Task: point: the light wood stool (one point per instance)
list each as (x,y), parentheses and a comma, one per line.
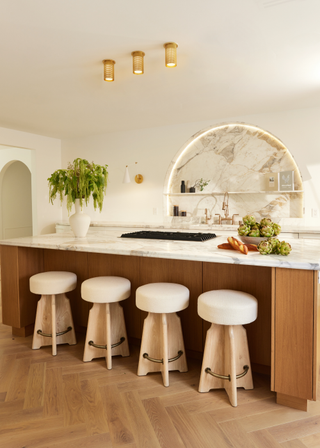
(54,323)
(106,331)
(226,361)
(162,341)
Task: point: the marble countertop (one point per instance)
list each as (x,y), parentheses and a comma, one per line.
(305,253)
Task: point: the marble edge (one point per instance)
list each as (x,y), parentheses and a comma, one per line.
(213,255)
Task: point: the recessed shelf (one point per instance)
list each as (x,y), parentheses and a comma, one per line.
(232,192)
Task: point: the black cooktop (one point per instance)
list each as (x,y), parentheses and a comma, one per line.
(177,236)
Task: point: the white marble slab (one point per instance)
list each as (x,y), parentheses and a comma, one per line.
(305,253)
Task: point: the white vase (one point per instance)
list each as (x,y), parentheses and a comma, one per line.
(79,221)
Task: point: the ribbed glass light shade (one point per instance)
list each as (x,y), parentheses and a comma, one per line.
(108,70)
(171,54)
(138,62)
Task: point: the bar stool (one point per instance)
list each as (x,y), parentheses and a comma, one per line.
(54,323)
(162,340)
(226,361)
(106,331)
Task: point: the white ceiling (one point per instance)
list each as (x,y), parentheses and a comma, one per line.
(235,57)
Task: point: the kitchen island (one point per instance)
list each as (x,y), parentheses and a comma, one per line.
(283,341)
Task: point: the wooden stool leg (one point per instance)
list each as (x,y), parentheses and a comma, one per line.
(165,351)
(53,325)
(108,334)
(230,365)
(213,358)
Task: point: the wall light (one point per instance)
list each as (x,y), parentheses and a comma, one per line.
(171,54)
(138,62)
(126,178)
(108,70)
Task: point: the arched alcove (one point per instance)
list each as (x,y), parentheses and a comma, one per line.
(15,200)
(241,159)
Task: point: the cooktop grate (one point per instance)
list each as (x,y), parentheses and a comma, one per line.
(177,236)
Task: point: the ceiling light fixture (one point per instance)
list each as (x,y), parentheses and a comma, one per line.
(138,62)
(171,54)
(108,70)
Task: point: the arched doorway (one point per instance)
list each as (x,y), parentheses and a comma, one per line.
(15,200)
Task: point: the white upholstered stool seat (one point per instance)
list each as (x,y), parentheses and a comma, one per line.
(54,323)
(162,346)
(226,361)
(106,332)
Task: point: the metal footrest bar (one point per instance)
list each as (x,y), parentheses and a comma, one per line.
(227,377)
(47,335)
(104,346)
(146,356)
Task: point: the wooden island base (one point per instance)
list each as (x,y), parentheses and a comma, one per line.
(283,339)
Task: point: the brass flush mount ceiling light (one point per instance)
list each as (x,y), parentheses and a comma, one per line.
(171,54)
(138,62)
(108,70)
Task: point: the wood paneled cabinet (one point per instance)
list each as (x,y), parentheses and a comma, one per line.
(282,341)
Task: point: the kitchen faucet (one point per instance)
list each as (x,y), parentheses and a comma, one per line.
(225,207)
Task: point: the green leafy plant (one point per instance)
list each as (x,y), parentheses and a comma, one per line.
(201,183)
(80,180)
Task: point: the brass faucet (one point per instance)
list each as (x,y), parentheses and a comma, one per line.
(207,217)
(225,207)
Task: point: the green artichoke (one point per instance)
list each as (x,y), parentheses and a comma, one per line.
(254,232)
(285,248)
(243,230)
(275,243)
(267,231)
(249,220)
(265,222)
(276,228)
(265,247)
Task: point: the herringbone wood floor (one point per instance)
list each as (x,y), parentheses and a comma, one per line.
(62,402)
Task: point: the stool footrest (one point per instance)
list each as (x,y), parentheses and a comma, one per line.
(146,356)
(48,335)
(227,377)
(116,344)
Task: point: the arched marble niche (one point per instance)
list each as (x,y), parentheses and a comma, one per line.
(237,158)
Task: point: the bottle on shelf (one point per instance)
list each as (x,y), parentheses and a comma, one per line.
(183,187)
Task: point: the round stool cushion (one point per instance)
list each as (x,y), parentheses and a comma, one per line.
(105,289)
(227,307)
(53,282)
(162,297)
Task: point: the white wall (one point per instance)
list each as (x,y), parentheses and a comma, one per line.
(154,149)
(45,158)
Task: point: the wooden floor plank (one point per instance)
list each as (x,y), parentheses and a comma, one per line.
(263,439)
(73,401)
(35,387)
(142,429)
(296,443)
(296,430)
(197,431)
(312,441)
(119,427)
(19,380)
(53,396)
(236,434)
(7,363)
(95,441)
(96,420)
(163,427)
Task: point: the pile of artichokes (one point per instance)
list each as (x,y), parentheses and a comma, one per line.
(266,229)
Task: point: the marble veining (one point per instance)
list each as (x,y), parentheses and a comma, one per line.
(236,158)
(305,254)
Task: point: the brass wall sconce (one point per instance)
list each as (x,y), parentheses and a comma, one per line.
(108,70)
(171,54)
(138,62)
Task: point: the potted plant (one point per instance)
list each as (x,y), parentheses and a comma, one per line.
(201,184)
(78,182)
